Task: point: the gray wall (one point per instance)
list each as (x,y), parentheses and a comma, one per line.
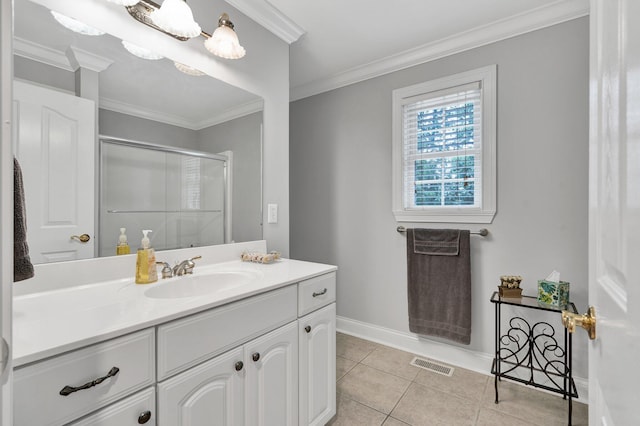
(27,69)
(340,184)
(116,124)
(243,136)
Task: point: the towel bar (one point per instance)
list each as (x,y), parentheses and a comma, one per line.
(482,232)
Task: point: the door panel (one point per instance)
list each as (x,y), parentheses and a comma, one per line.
(209,394)
(317,339)
(614,216)
(55,145)
(272,378)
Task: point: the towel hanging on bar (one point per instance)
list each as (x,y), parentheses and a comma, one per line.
(439,283)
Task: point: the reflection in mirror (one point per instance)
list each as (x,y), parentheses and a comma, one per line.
(149,101)
(183,207)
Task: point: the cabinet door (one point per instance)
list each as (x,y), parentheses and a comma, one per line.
(209,394)
(272,378)
(317,339)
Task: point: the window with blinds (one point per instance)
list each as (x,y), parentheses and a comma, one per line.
(191,183)
(440,144)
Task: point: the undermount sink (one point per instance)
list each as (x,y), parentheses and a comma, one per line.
(200,285)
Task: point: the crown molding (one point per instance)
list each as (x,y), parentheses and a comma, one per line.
(174,120)
(267,15)
(231,114)
(79,58)
(39,53)
(542,17)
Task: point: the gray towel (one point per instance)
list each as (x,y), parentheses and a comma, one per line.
(22,267)
(439,283)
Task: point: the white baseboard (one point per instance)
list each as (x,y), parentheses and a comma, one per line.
(479,362)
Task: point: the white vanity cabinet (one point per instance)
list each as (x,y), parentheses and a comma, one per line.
(317,347)
(317,343)
(267,358)
(255,384)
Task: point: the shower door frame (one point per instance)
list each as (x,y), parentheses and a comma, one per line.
(227,190)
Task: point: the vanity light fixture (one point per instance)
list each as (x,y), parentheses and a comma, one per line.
(166,18)
(175,17)
(188,70)
(224,41)
(76,26)
(141,52)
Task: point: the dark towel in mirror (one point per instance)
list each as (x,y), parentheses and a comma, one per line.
(22,266)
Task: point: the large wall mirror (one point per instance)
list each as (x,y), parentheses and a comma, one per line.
(144,110)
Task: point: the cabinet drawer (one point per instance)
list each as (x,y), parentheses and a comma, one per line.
(189,341)
(37,387)
(316,293)
(136,409)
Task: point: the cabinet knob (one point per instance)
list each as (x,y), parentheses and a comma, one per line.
(308,329)
(239,365)
(144,417)
(255,356)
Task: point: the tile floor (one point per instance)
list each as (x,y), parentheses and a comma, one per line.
(377,386)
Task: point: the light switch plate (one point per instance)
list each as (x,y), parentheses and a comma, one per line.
(272,213)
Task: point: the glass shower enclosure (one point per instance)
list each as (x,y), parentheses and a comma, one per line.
(181,195)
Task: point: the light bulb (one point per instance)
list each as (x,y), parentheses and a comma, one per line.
(75,25)
(141,52)
(175,17)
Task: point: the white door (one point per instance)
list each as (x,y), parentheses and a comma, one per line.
(272,378)
(317,342)
(55,145)
(614,216)
(209,394)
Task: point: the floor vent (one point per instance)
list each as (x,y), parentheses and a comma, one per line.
(427,364)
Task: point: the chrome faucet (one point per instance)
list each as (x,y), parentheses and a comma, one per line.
(167,272)
(185,267)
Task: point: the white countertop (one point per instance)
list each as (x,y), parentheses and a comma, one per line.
(49,323)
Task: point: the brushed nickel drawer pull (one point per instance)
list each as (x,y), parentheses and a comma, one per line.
(67,390)
(320,293)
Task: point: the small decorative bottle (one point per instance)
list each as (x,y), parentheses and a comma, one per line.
(123,246)
(146,272)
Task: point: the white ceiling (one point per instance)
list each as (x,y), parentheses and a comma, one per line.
(332,44)
(347,41)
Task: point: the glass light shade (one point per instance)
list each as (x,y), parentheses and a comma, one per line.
(224,43)
(124,2)
(175,17)
(76,26)
(188,70)
(140,52)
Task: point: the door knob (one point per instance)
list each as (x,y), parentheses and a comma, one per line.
(586,321)
(82,238)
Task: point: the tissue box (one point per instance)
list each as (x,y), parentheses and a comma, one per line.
(553,293)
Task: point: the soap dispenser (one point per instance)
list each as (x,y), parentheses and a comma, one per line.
(146,272)
(123,246)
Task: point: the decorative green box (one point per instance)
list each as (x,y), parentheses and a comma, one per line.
(553,293)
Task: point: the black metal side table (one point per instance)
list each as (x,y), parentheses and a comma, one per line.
(531,354)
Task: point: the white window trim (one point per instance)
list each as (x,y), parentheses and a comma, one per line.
(487,210)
